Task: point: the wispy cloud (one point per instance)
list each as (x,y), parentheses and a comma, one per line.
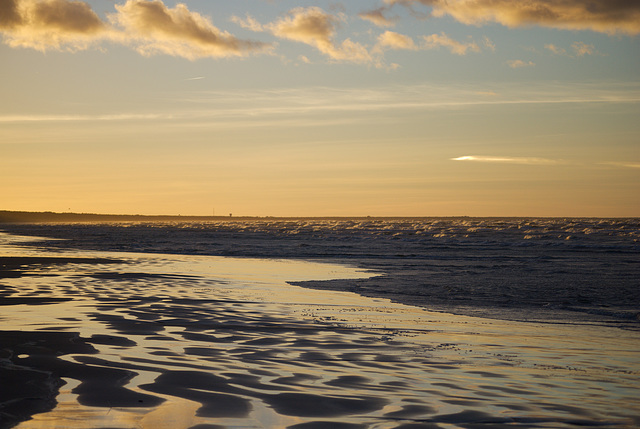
(488,43)
(604,16)
(315,27)
(442,40)
(580,49)
(378,17)
(421,96)
(622,164)
(393,40)
(86,118)
(555,49)
(275,104)
(508,160)
(517,64)
(248,22)
(149,26)
(396,41)
(539,161)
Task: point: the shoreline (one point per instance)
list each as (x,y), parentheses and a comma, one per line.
(185,340)
(556,282)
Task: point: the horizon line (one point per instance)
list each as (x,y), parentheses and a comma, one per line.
(14,216)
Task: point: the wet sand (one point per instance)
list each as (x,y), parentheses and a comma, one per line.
(122,340)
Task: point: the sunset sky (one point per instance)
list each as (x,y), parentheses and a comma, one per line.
(321,108)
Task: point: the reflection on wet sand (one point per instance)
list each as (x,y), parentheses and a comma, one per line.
(158,341)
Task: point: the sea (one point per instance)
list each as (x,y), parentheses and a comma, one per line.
(542,270)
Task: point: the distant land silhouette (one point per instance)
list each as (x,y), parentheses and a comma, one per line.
(8,216)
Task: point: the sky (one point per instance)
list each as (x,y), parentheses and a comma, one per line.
(321,108)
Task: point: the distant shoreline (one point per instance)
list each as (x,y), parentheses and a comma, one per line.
(9,216)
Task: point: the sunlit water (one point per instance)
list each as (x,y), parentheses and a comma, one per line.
(576,270)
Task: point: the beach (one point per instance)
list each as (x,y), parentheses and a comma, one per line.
(103,339)
(389,214)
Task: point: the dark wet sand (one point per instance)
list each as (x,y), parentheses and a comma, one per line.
(195,342)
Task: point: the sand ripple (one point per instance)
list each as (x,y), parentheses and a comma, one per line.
(189,342)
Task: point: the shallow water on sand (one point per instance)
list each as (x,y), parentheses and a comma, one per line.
(521,269)
(174,341)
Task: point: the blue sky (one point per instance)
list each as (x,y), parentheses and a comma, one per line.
(282,108)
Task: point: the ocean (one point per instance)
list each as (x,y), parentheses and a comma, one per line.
(545,270)
(320,324)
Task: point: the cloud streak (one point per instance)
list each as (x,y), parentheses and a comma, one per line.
(508,160)
(279,104)
(623,164)
(86,118)
(537,161)
(604,16)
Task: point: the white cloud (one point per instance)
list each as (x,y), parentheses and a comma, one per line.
(508,160)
